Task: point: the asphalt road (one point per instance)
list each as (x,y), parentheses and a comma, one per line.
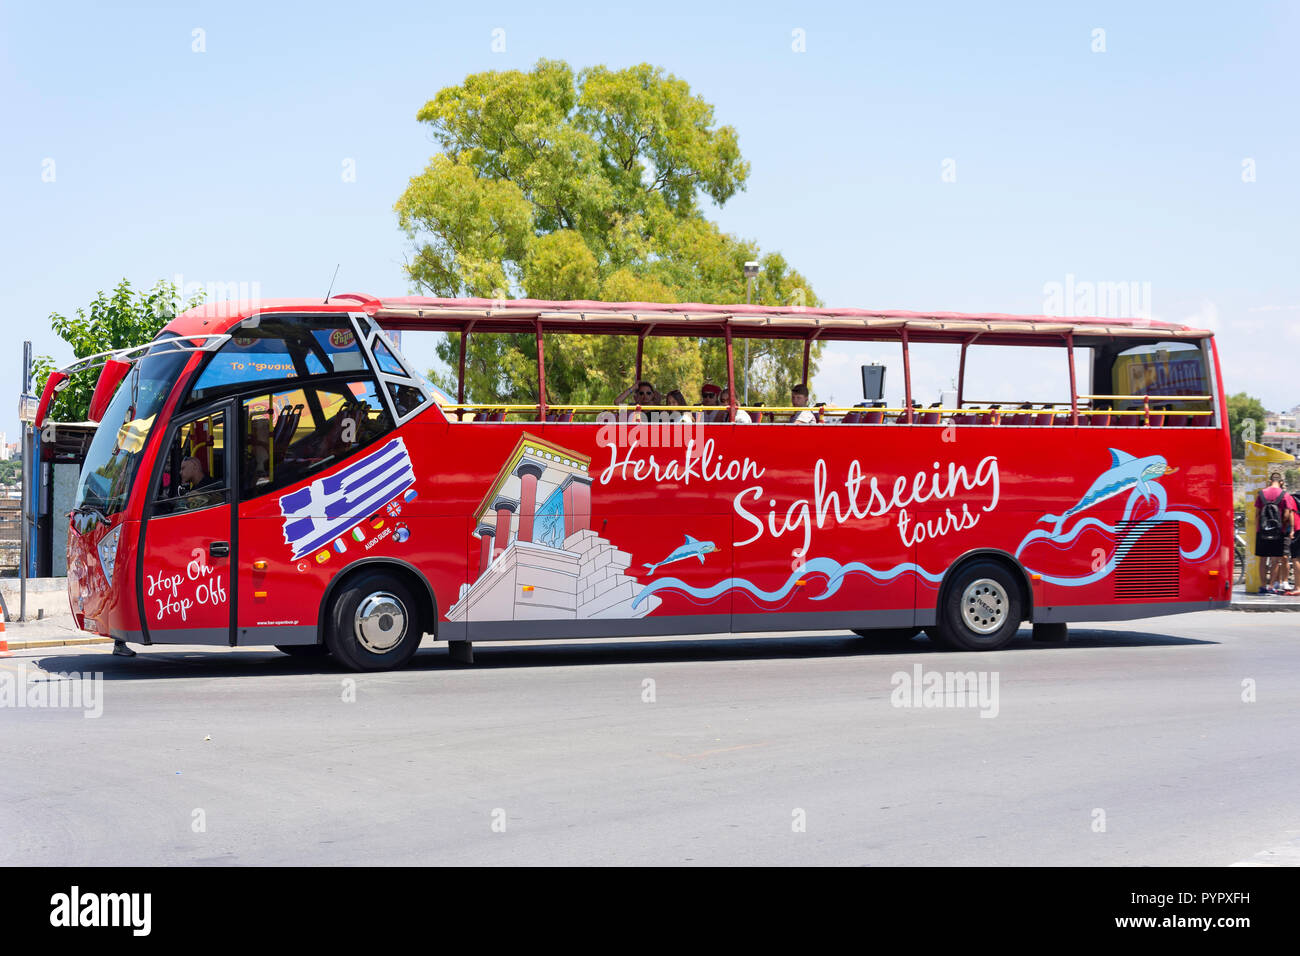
(1131,746)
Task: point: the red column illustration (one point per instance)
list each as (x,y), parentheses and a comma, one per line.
(528,472)
(577,504)
(504,507)
(486,533)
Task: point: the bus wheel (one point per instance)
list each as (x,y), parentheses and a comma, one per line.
(374,623)
(894,635)
(981,609)
(303,650)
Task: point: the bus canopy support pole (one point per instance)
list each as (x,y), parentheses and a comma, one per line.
(1074,391)
(731,373)
(460,374)
(462,652)
(541,375)
(961,372)
(907,381)
(640,346)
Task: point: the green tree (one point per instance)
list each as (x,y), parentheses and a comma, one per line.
(1240,408)
(558,185)
(123,319)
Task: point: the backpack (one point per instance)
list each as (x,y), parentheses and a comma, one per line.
(1272,517)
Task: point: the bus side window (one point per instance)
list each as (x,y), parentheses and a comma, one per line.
(292,434)
(194,473)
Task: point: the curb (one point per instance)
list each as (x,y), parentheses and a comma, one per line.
(71,642)
(1257,606)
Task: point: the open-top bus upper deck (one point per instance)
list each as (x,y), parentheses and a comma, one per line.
(740,322)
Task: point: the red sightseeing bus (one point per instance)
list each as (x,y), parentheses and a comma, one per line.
(279,474)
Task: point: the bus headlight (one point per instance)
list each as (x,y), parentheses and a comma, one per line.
(108,553)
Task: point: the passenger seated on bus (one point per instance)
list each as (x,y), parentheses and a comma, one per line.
(197,487)
(645,394)
(742,416)
(675,397)
(194,476)
(709,394)
(799,399)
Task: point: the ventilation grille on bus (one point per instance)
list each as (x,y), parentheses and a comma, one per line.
(1147,565)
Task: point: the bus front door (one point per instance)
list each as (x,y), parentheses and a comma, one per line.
(188,536)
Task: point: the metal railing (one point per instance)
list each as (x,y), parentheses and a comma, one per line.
(989,413)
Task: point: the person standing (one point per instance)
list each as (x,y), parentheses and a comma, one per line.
(1293,526)
(1272,522)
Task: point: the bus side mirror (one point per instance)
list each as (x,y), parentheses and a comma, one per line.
(53,384)
(109,379)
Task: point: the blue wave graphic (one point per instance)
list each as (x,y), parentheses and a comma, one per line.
(834,571)
(1126,539)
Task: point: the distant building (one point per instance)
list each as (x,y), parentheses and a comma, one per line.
(5,452)
(1286,441)
(1281,422)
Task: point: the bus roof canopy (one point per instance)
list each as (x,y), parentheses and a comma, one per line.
(657,318)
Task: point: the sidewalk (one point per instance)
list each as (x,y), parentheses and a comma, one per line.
(44,595)
(55,630)
(1241,601)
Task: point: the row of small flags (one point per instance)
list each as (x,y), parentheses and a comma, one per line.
(376,522)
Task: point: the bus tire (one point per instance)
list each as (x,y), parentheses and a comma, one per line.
(980,610)
(894,635)
(374,623)
(303,650)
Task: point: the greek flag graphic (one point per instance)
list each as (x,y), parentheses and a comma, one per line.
(316,515)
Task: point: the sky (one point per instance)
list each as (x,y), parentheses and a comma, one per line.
(923,156)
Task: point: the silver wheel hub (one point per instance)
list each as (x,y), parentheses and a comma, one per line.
(380,622)
(984,606)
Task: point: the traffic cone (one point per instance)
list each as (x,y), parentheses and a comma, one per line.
(4,643)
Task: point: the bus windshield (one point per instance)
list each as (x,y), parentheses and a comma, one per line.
(114,454)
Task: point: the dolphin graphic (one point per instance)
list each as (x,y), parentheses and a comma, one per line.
(691,548)
(1126,472)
